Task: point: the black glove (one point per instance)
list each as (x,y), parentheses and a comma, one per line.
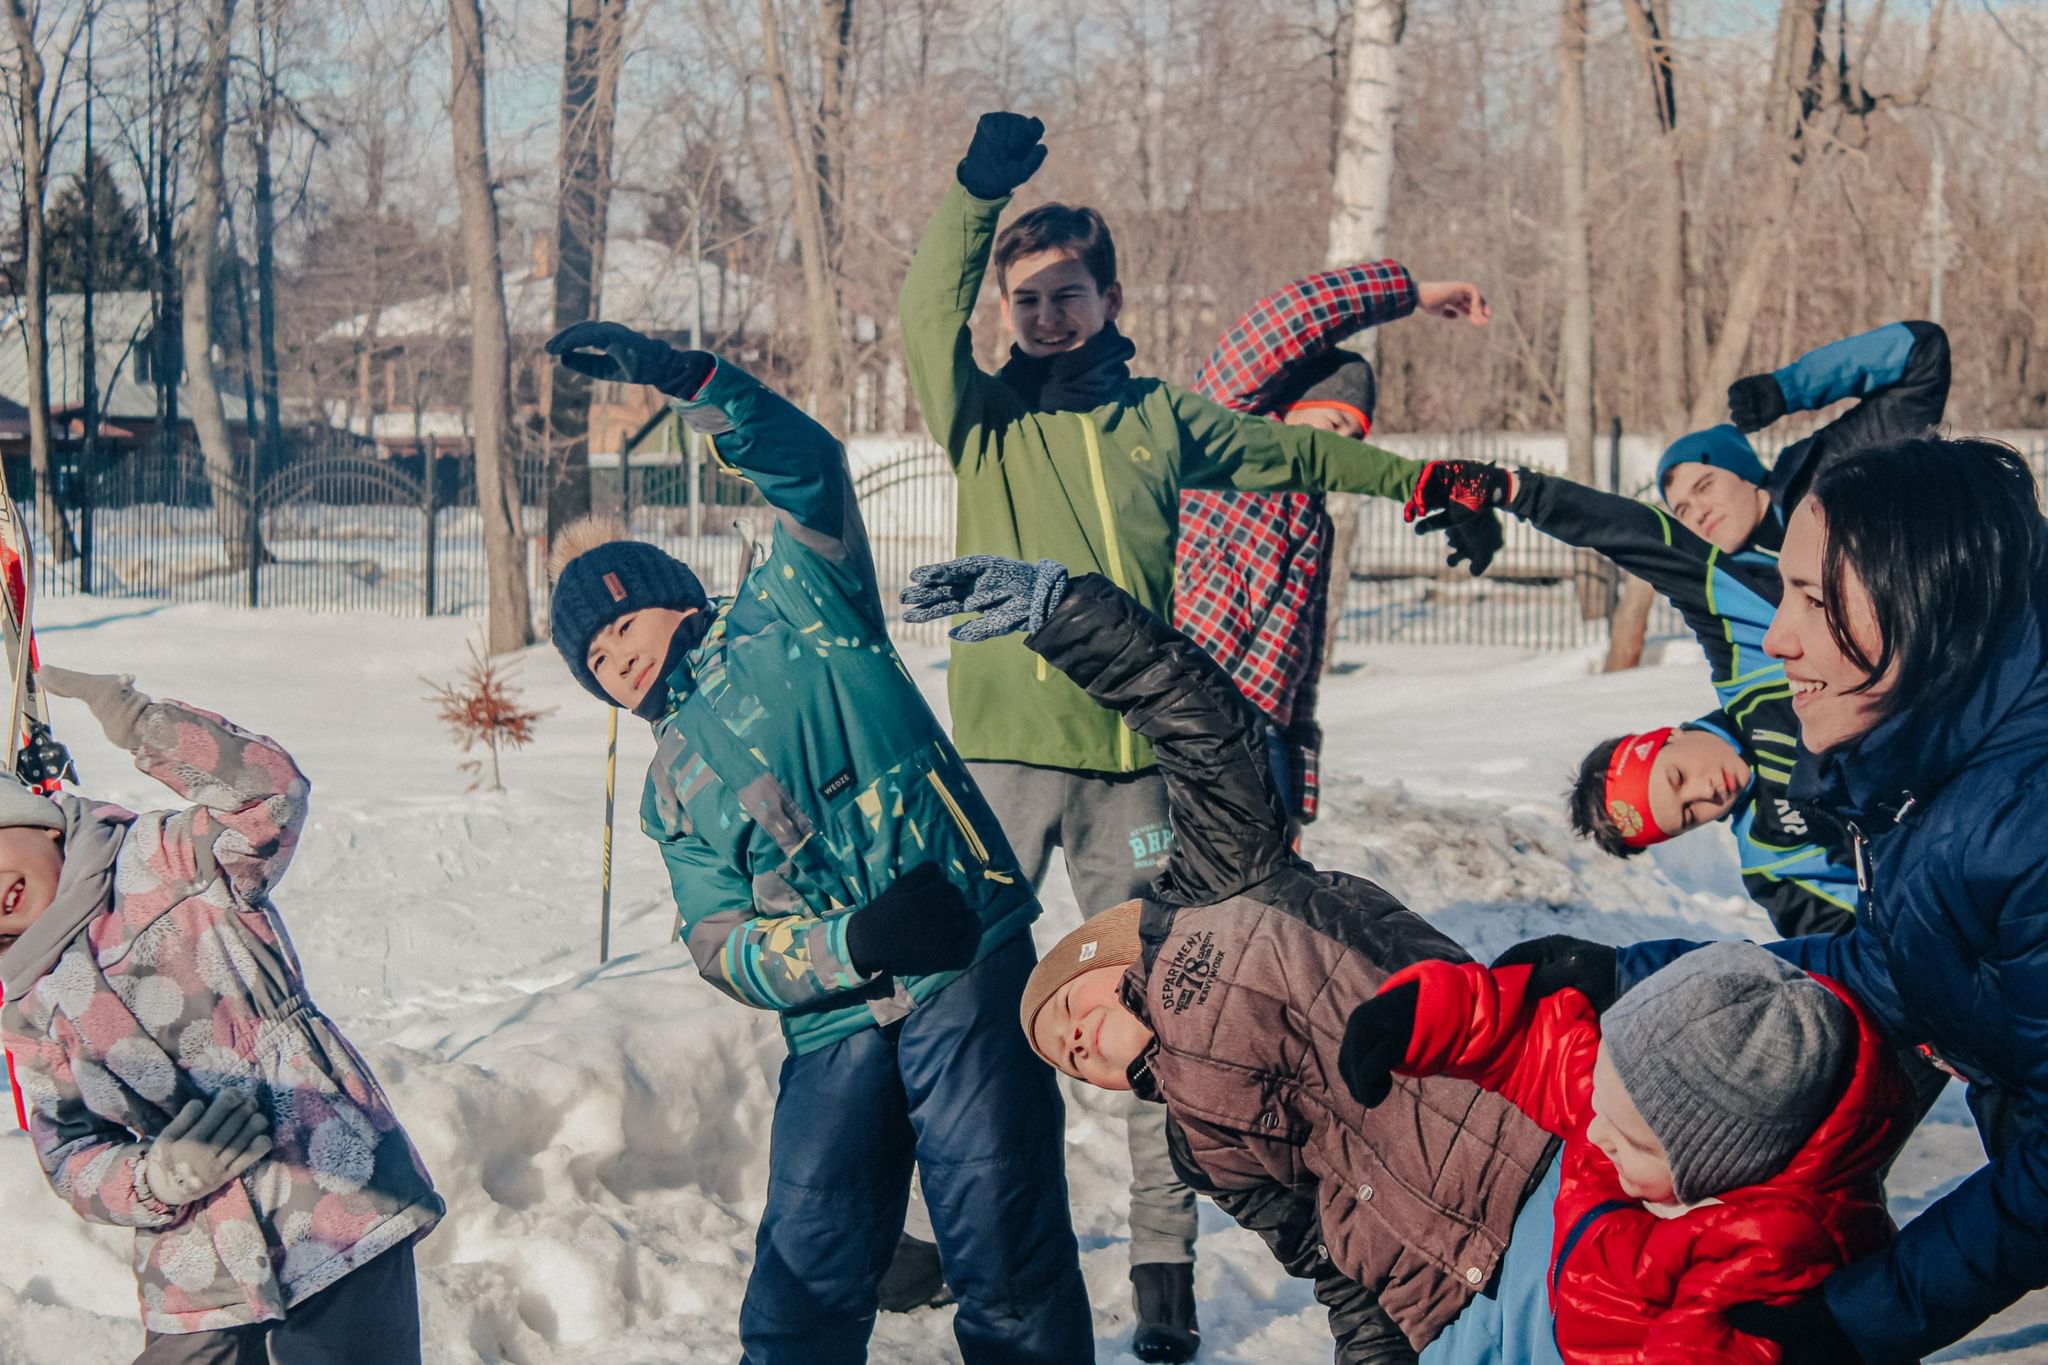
(606,350)
(1804,1327)
(919,925)
(1376,1041)
(1755,402)
(1005,153)
(1563,962)
(1474,542)
(1451,492)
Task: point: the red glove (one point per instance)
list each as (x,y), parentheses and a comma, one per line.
(1452,491)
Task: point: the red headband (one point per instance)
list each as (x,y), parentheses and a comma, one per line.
(1364,421)
(1628,787)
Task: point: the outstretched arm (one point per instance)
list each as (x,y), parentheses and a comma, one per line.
(1229,823)
(1900,371)
(937,305)
(1297,321)
(250,797)
(1485,1025)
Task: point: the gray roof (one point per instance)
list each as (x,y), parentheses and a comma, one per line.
(120,322)
(646,285)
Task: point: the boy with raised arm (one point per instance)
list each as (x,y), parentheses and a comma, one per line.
(1064,454)
(832,861)
(1714,557)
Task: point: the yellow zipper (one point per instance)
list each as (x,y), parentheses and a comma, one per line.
(1125,758)
(959,816)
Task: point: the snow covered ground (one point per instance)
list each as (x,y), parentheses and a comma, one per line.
(601,1133)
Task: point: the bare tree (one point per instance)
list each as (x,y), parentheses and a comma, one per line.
(1649,26)
(809,160)
(509,625)
(592,52)
(1361,203)
(36,136)
(232,497)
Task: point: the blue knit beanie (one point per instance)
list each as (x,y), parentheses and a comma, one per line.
(607,581)
(1722,447)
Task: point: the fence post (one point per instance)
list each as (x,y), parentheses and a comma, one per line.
(85,531)
(432,519)
(252,535)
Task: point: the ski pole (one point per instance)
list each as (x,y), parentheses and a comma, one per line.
(747,548)
(611,776)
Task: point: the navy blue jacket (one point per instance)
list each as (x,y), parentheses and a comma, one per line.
(1949,806)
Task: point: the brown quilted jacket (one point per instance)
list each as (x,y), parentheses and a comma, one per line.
(1253,962)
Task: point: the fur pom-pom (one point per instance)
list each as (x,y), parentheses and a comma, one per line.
(582,535)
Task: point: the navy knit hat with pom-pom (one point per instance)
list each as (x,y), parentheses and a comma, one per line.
(604,582)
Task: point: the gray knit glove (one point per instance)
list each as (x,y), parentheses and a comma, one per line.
(1010,594)
(112,696)
(203,1148)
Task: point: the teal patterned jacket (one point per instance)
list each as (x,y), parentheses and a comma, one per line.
(799,771)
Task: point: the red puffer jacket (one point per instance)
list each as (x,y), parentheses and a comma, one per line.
(1626,1284)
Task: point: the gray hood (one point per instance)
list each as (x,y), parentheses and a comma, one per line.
(84,888)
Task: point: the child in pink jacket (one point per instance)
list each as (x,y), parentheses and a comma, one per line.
(177,1079)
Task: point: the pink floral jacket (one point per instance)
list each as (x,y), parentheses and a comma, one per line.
(162,973)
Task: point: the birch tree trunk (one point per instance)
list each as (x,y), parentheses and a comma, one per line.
(509,623)
(591,53)
(1361,191)
(231,496)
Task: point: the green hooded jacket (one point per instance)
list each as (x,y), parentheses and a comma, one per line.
(798,770)
(1098,490)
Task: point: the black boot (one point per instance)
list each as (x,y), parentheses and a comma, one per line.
(913,1279)
(1165,1295)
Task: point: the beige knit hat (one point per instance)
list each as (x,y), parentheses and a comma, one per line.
(1110,939)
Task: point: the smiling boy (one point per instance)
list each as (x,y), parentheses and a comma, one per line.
(1065,455)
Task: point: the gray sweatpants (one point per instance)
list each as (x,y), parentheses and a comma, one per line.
(1114,834)
(370,1316)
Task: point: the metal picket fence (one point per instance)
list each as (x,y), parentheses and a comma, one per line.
(338,527)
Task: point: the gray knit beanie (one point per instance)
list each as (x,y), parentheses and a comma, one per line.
(20,806)
(1733,1057)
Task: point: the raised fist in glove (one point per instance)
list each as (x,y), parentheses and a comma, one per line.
(1804,1329)
(1755,402)
(1375,1042)
(115,703)
(1005,153)
(203,1148)
(606,350)
(1010,594)
(1562,962)
(920,925)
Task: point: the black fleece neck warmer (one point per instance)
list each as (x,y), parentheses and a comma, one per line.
(688,636)
(1086,377)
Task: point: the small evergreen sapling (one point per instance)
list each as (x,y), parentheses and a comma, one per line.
(483,707)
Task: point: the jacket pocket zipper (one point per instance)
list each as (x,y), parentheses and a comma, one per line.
(974,843)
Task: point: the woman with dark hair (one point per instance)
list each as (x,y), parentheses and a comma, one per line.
(1914,629)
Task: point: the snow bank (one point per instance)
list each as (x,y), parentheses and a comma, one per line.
(601,1134)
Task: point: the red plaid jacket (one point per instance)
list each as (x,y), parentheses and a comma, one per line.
(1251,569)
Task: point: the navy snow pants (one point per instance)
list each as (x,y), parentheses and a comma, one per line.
(955,1087)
